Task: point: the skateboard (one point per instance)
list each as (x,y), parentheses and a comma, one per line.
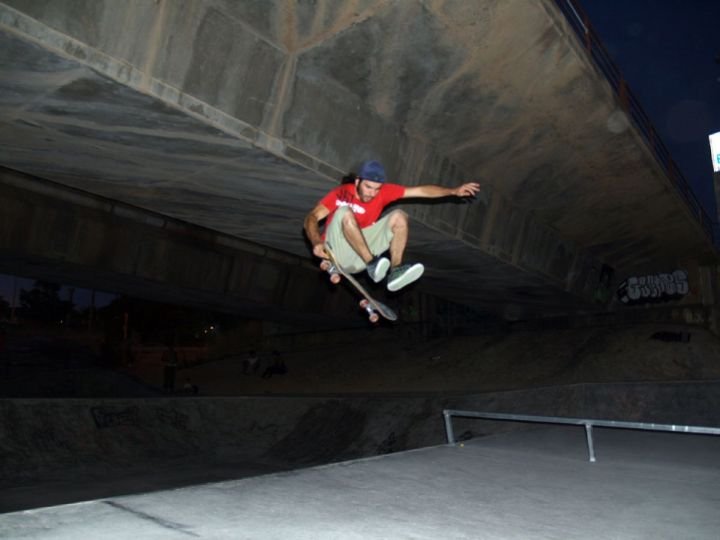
(374,308)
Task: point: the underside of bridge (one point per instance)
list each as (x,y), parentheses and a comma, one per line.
(238,116)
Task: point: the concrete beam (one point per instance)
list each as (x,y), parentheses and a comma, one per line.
(50,231)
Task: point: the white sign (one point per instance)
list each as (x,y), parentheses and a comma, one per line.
(715,150)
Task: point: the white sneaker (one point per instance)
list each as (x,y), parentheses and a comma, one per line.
(377,268)
(404,275)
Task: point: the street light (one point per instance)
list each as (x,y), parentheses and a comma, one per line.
(715,154)
(715,151)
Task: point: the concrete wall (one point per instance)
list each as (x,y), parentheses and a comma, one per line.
(39,437)
(51,231)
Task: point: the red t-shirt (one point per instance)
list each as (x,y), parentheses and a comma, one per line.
(365,213)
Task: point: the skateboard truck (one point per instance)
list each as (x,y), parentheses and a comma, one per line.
(371,311)
(335,274)
(331,269)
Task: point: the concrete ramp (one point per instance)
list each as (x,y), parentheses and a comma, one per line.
(62,451)
(535,483)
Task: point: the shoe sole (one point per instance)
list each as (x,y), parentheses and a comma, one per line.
(381,270)
(412,274)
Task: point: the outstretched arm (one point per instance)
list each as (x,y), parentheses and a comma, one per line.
(469,189)
(312,229)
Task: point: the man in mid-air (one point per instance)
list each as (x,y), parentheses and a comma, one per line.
(357,238)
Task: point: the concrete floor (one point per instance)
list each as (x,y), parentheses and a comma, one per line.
(536,483)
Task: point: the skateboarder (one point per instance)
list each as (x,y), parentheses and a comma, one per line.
(358,238)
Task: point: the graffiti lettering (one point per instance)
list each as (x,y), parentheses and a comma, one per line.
(106,417)
(654,288)
(47,440)
(174,418)
(271,428)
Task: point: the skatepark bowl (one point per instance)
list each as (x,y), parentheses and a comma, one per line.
(367,467)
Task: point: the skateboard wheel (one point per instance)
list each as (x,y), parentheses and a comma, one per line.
(370,310)
(364,303)
(374,317)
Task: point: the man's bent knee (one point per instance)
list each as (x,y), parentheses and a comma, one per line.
(398,217)
(346,217)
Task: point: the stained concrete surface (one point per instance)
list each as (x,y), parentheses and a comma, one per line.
(91,483)
(234,114)
(51,448)
(59,451)
(66,450)
(534,483)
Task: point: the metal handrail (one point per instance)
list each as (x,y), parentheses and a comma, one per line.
(580,22)
(587,422)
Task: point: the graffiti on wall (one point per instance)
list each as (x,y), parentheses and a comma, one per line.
(173,418)
(108,417)
(654,288)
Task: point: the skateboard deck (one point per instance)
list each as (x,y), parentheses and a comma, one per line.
(368,303)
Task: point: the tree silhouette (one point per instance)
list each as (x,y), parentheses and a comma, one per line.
(43,303)
(4,308)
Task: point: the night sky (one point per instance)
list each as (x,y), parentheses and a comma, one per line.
(81,297)
(668,52)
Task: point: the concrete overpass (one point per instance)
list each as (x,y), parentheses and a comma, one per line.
(237,116)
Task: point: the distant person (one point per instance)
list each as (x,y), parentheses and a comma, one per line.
(277,367)
(170,361)
(126,351)
(279,364)
(190,388)
(251,364)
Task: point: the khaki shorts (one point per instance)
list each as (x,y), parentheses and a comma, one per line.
(378,237)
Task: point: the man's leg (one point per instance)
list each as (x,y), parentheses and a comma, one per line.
(344,253)
(376,265)
(354,236)
(353,250)
(400,274)
(398,223)
(391,232)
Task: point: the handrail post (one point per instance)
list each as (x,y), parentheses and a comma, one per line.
(448,427)
(591,448)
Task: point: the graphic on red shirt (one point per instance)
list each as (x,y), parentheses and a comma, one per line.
(365,213)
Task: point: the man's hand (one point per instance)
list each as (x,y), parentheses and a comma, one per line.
(312,230)
(325,266)
(467,190)
(319,251)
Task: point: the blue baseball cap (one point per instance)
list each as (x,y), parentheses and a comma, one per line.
(372,170)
